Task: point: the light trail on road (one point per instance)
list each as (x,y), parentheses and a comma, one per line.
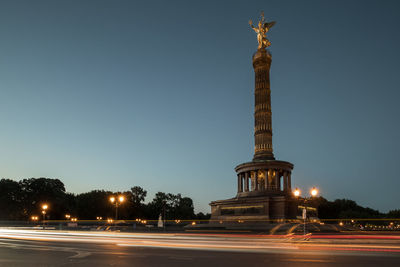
(217,242)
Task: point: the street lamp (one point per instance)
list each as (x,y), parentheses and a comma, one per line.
(313,193)
(44,209)
(117,201)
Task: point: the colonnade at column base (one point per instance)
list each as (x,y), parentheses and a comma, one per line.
(264,196)
(266,177)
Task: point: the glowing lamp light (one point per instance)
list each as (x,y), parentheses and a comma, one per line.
(121,199)
(45,206)
(296,192)
(112,199)
(314,191)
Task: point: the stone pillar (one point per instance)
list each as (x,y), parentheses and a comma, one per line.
(239,177)
(253,182)
(277,182)
(266,179)
(241,182)
(246,182)
(261,179)
(262,106)
(285,186)
(256,180)
(289,181)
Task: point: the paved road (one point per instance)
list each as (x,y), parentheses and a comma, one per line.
(47,248)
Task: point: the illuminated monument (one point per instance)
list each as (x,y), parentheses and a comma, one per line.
(264,184)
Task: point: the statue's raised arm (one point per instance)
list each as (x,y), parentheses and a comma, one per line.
(261,30)
(252,26)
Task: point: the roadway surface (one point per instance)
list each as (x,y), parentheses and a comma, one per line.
(61,248)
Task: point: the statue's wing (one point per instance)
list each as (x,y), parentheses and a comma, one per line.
(269,24)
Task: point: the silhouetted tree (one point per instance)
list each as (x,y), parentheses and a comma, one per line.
(94,204)
(345,209)
(11,207)
(176,206)
(70,204)
(155,207)
(394,214)
(136,196)
(36,191)
(202,216)
(185,209)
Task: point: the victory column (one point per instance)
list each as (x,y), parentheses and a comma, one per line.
(264,192)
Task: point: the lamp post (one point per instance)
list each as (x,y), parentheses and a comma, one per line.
(117,201)
(44,209)
(313,193)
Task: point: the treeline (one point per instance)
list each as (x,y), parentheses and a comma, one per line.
(19,200)
(348,209)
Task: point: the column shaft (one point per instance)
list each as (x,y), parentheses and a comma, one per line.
(262,106)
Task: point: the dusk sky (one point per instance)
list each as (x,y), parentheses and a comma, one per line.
(160,94)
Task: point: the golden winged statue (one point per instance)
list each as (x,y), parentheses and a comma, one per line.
(261,30)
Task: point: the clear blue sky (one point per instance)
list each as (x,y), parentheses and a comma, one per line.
(159,94)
